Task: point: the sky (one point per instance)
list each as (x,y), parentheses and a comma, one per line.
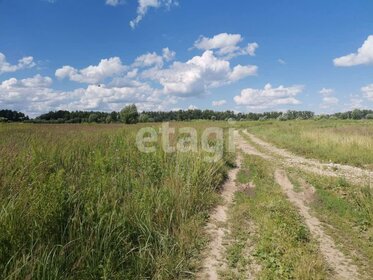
(245,56)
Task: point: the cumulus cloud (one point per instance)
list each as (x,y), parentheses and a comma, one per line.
(167,54)
(198,74)
(92,74)
(364,55)
(226,45)
(153,59)
(268,97)
(35,96)
(328,98)
(149,59)
(153,82)
(239,72)
(23,63)
(145,5)
(368,92)
(218,103)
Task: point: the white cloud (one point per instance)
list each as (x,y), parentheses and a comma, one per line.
(326,91)
(23,63)
(153,82)
(239,72)
(268,97)
(364,55)
(145,5)
(92,74)
(35,96)
(192,107)
(113,2)
(368,92)
(218,103)
(328,100)
(224,42)
(226,45)
(198,74)
(251,48)
(153,59)
(149,59)
(281,61)
(167,54)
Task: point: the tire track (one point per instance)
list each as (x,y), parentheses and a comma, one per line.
(353,174)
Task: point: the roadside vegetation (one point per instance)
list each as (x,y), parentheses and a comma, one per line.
(81,202)
(347,210)
(275,235)
(345,142)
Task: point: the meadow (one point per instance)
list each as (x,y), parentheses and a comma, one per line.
(339,141)
(81,202)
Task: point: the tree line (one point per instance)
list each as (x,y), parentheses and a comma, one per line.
(130,115)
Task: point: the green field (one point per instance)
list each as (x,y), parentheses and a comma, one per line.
(338,141)
(82,202)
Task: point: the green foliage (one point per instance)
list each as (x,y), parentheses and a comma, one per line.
(92,118)
(12,116)
(143,118)
(129,114)
(81,202)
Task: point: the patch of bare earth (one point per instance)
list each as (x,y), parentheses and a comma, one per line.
(341,265)
(214,260)
(351,173)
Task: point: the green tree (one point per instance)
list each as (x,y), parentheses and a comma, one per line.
(143,118)
(92,118)
(108,119)
(357,114)
(129,114)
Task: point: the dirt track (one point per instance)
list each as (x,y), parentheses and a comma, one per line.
(217,227)
(217,230)
(351,173)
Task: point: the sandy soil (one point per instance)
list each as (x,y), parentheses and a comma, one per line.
(217,230)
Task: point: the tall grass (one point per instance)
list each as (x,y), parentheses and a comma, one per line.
(81,202)
(347,142)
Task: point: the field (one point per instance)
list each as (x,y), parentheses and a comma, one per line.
(82,202)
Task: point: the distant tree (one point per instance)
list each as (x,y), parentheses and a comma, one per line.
(129,114)
(108,119)
(2,119)
(92,118)
(357,114)
(369,116)
(114,116)
(143,118)
(13,116)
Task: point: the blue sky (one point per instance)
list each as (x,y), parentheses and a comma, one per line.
(164,54)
